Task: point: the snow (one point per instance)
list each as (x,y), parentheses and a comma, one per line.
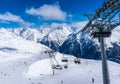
(36,69)
(24,62)
(9,41)
(77,74)
(58,34)
(45,68)
(16,55)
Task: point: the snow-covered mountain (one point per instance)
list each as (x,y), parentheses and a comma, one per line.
(27,33)
(80,45)
(56,37)
(83,45)
(10,44)
(52,36)
(66,39)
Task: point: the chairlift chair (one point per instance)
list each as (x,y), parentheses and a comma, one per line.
(77,61)
(66,66)
(64,60)
(58,67)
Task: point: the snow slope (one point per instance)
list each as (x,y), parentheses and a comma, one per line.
(34,70)
(10,42)
(16,55)
(75,74)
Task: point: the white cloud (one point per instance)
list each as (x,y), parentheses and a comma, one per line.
(49,12)
(9,17)
(58,25)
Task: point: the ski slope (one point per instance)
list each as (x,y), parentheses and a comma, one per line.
(37,70)
(75,74)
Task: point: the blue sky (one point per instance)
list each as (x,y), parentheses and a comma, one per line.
(34,13)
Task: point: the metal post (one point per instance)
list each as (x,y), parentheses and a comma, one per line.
(53,71)
(104,62)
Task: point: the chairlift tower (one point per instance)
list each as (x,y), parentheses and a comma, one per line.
(100,26)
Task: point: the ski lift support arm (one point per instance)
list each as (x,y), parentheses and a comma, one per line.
(104,15)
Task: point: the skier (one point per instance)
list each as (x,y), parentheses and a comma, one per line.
(61,82)
(93,80)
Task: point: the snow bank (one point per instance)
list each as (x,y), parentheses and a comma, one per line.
(41,67)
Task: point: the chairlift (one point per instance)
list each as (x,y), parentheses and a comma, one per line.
(77,61)
(66,66)
(64,60)
(55,65)
(58,67)
(45,52)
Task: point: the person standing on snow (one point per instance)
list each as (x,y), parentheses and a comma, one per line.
(93,80)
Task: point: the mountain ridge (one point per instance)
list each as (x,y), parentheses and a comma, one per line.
(66,39)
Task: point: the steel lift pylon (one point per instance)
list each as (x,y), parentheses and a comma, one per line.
(100,26)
